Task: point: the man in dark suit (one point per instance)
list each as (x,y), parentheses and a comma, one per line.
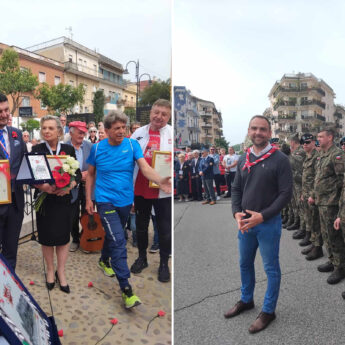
(196,178)
(77,130)
(12,148)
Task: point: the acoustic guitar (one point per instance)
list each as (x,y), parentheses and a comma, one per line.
(92,236)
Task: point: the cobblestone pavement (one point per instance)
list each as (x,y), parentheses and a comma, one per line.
(84,315)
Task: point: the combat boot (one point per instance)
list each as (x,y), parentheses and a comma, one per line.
(285,219)
(307,250)
(299,235)
(306,239)
(327,267)
(294,226)
(337,276)
(343,294)
(289,222)
(315,253)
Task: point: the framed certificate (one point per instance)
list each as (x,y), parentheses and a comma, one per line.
(5,182)
(22,321)
(55,161)
(161,162)
(34,169)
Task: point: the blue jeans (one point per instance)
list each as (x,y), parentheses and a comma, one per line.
(266,236)
(114,219)
(133,227)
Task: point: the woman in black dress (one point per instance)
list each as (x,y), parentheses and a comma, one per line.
(54,218)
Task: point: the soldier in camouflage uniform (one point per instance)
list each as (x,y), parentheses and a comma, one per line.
(296,160)
(327,190)
(311,216)
(339,223)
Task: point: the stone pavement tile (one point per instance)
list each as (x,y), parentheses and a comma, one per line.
(85,313)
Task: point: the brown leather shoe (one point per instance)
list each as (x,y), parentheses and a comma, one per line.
(261,322)
(212,203)
(205,202)
(238,308)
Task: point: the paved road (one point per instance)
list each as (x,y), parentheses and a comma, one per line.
(207,283)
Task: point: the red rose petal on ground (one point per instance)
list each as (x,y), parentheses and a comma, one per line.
(31,282)
(114,321)
(161,313)
(90,284)
(60,333)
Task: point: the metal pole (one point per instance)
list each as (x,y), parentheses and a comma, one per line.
(138,88)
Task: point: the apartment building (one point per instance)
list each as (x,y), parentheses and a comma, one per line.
(302,103)
(186,116)
(210,122)
(85,66)
(46,69)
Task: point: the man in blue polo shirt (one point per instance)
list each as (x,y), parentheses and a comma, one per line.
(113,159)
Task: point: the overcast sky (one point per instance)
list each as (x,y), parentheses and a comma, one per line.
(121,30)
(231,52)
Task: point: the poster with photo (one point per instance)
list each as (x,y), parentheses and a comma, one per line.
(21,318)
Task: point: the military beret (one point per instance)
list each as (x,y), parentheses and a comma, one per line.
(306,137)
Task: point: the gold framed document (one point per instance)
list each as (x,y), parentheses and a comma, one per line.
(55,161)
(161,162)
(5,182)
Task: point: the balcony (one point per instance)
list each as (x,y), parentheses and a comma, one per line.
(338,125)
(206,125)
(287,117)
(205,113)
(193,128)
(299,89)
(91,73)
(313,117)
(338,115)
(282,103)
(313,101)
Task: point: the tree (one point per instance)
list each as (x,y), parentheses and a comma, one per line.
(61,98)
(130,112)
(30,125)
(98,105)
(156,91)
(221,142)
(15,81)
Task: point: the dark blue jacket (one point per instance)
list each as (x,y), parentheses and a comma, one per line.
(17,150)
(207,167)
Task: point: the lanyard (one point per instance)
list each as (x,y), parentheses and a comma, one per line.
(58,148)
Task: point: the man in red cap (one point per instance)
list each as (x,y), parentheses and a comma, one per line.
(77,130)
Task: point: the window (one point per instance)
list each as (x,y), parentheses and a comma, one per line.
(95,67)
(26,101)
(41,77)
(71,82)
(80,61)
(85,63)
(23,68)
(70,58)
(304,85)
(57,80)
(43,106)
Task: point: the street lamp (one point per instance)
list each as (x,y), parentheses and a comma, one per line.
(137,77)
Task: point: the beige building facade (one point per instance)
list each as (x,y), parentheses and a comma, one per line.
(87,67)
(210,122)
(302,103)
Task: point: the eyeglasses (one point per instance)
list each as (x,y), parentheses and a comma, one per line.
(307,142)
(343,144)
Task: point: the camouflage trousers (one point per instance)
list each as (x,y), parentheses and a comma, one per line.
(332,238)
(296,204)
(312,222)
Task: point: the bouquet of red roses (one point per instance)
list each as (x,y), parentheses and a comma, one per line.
(63,174)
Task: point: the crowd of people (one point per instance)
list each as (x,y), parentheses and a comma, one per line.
(204,176)
(113,177)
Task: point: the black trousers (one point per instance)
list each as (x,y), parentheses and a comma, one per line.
(229,180)
(11,220)
(78,210)
(162,209)
(217,182)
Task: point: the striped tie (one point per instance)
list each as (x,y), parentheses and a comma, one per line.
(2,140)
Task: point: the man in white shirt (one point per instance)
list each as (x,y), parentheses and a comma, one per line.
(230,162)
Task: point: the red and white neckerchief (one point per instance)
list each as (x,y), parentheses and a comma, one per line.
(249,164)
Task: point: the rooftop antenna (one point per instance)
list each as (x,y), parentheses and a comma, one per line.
(70,32)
